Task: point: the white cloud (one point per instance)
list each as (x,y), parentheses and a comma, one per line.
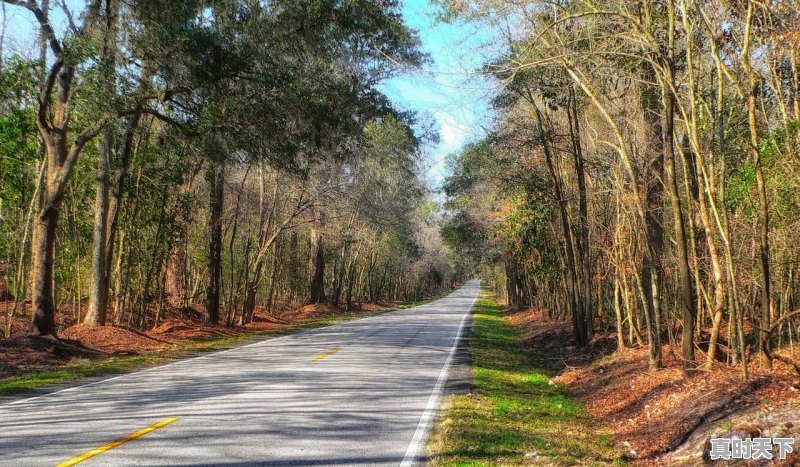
(452,132)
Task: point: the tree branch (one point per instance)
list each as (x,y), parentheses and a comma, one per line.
(68,14)
(766,347)
(75,150)
(45,98)
(180,126)
(41,18)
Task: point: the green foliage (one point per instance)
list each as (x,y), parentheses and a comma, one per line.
(526,231)
(19,153)
(739,192)
(780,172)
(496,207)
(468,168)
(460,231)
(284,94)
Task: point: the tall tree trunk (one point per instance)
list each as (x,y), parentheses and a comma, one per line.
(763,207)
(43,251)
(216,181)
(98,300)
(264,221)
(651,263)
(688,294)
(579,330)
(583,227)
(46,217)
(317,282)
(705,190)
(52,120)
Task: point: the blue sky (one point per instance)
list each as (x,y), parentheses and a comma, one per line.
(448,89)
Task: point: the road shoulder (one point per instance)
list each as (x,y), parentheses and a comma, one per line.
(514,413)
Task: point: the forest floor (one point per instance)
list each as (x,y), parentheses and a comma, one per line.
(28,362)
(662,418)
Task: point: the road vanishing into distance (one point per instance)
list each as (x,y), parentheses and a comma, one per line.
(357,393)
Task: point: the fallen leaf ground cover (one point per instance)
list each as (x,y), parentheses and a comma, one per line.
(653,413)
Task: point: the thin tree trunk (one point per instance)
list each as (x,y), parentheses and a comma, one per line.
(688,294)
(584,249)
(688,298)
(317,282)
(763,208)
(98,301)
(704,192)
(216,181)
(118,185)
(35,200)
(578,320)
(651,263)
(618,314)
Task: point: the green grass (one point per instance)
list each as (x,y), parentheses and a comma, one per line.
(514,409)
(81,368)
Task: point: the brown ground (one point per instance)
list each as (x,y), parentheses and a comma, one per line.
(653,414)
(23,353)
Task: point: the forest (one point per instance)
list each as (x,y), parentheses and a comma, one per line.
(642,174)
(598,265)
(214,156)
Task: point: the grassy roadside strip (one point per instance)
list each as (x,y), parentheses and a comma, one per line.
(514,415)
(83,368)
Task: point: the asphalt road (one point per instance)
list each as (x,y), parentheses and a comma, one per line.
(357,393)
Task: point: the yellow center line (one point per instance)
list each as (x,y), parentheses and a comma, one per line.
(326,354)
(116,443)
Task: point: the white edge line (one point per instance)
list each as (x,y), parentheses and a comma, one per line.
(268,339)
(433,401)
